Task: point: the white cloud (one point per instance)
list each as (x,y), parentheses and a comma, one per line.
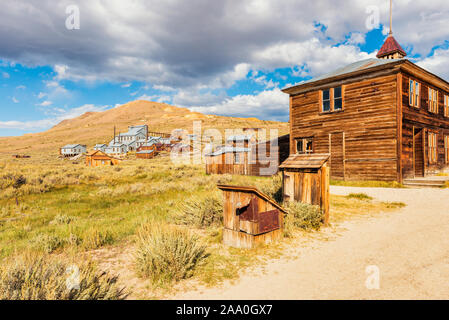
(15,100)
(21,87)
(155,98)
(5,75)
(268,104)
(46,103)
(126,85)
(41,95)
(48,123)
(438,63)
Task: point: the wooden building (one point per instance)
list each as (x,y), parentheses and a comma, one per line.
(228,160)
(99,158)
(379,119)
(250,217)
(257,159)
(146,154)
(306,179)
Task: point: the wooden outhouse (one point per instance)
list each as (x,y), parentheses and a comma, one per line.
(145,154)
(250,217)
(306,180)
(99,158)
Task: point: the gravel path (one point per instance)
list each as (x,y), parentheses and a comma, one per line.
(410,247)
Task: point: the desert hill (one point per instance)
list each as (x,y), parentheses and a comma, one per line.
(98,127)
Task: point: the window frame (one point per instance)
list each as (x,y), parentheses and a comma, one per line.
(433,100)
(414,99)
(446,105)
(332,100)
(304,145)
(433,147)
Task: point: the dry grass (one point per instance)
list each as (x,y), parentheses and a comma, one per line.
(32,277)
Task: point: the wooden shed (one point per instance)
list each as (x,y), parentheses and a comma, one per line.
(306,180)
(146,154)
(250,217)
(228,160)
(99,158)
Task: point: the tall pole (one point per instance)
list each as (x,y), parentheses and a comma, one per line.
(391,17)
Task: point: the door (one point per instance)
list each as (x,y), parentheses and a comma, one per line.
(337,151)
(418,152)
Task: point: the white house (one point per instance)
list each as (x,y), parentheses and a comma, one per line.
(100,147)
(72,150)
(116,149)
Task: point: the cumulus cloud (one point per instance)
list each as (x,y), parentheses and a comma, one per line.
(60,115)
(46,103)
(196,43)
(437,63)
(268,104)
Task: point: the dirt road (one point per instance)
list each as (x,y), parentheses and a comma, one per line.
(410,247)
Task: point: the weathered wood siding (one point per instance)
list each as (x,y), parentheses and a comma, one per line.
(224,164)
(362,139)
(421,121)
(237,233)
(275,154)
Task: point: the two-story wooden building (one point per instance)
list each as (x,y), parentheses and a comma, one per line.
(380,119)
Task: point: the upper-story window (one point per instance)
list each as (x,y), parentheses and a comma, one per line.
(332,99)
(446,106)
(433,100)
(414,94)
(304,145)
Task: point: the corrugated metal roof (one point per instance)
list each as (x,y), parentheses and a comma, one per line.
(356,66)
(145,152)
(241,137)
(71,146)
(228,149)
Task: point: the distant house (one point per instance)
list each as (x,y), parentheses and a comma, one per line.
(257,159)
(72,150)
(116,149)
(99,158)
(243,140)
(100,147)
(146,154)
(228,159)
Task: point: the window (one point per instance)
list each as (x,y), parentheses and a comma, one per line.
(414,94)
(332,99)
(304,145)
(433,100)
(237,158)
(446,106)
(446,149)
(326,100)
(432,147)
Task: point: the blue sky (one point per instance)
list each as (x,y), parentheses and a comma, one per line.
(220,57)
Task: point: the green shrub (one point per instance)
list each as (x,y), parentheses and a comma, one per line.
(273,188)
(42,278)
(359,196)
(304,216)
(202,212)
(165,254)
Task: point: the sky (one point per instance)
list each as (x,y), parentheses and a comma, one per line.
(59,59)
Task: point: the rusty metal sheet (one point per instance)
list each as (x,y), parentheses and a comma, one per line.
(268,221)
(249,212)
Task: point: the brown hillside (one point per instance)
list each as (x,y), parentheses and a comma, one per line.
(97,127)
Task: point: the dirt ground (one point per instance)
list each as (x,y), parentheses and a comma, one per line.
(410,248)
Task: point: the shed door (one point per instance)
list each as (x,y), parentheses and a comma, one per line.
(418,152)
(337,151)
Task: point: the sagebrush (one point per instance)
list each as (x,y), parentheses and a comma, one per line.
(165,253)
(33,277)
